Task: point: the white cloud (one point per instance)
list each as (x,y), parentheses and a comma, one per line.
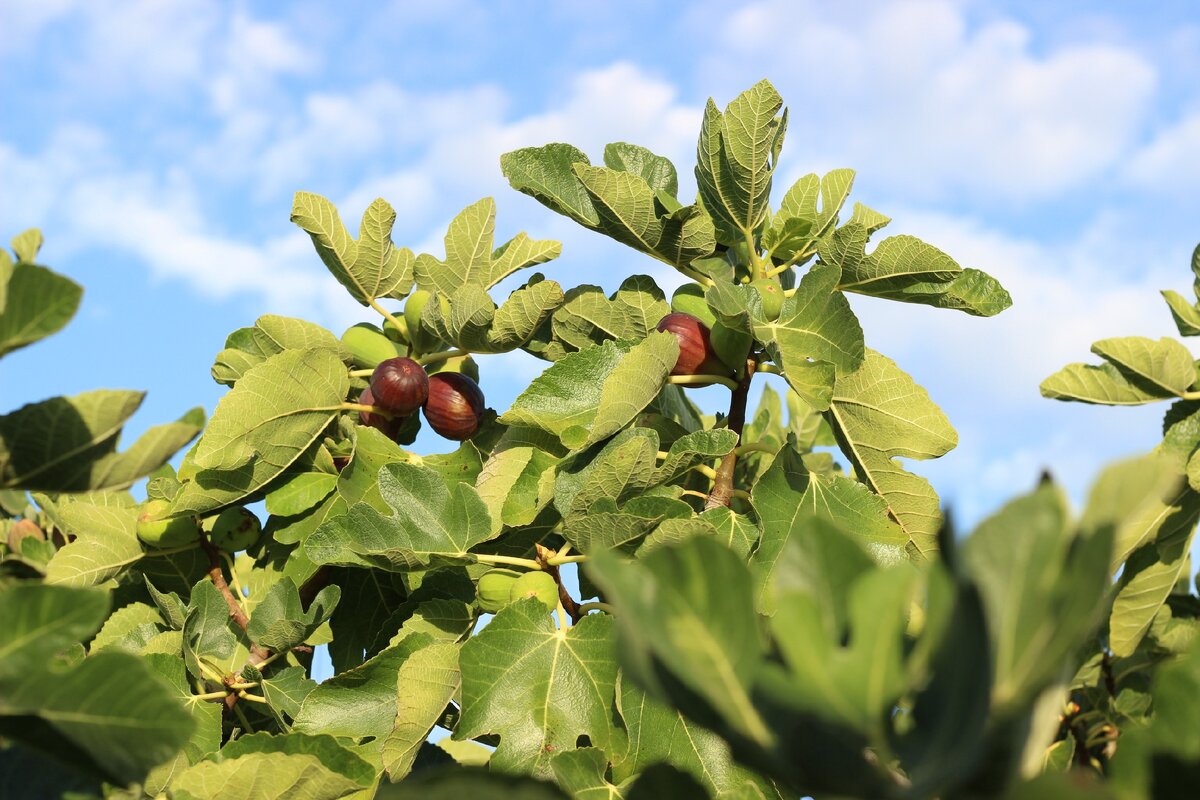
(1171,160)
(914,94)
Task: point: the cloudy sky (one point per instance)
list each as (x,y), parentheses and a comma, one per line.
(1055,145)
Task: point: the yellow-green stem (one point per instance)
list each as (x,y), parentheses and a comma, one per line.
(487,558)
(692,380)
(389,316)
(443,355)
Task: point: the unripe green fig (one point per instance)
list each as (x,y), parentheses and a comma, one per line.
(235,529)
(368,346)
(455,406)
(399,385)
(696,354)
(413,307)
(494,588)
(771,292)
(397,332)
(158,532)
(535,584)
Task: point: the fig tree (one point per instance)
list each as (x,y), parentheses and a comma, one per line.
(455,405)
(494,588)
(235,529)
(696,354)
(156,531)
(400,385)
(367,345)
(535,584)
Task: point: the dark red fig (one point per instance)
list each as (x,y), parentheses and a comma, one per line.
(389,427)
(696,354)
(400,385)
(455,405)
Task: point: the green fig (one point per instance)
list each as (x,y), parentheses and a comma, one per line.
(158,532)
(397,332)
(535,584)
(421,339)
(368,346)
(235,529)
(771,292)
(494,588)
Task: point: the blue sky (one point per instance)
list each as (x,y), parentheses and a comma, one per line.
(1055,145)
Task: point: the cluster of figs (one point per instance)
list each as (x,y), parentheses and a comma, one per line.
(452,403)
(234,529)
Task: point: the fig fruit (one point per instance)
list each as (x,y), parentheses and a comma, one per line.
(368,346)
(771,292)
(158,532)
(400,385)
(494,588)
(455,405)
(398,332)
(235,529)
(535,584)
(378,421)
(421,339)
(696,354)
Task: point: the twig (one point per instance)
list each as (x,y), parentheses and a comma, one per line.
(217,576)
(545,554)
(722,489)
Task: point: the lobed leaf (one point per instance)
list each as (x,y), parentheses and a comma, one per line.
(538,688)
(878,414)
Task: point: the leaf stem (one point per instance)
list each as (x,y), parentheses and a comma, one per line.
(722,489)
(595,606)
(209,696)
(386,314)
(754,447)
(441,355)
(487,558)
(253,698)
(267,662)
(238,594)
(706,471)
(703,280)
(241,715)
(558,561)
(383,412)
(564,619)
(760,268)
(692,380)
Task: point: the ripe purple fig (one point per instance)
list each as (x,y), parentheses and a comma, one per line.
(389,427)
(455,405)
(696,354)
(400,385)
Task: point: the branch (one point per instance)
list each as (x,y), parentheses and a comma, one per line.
(722,489)
(217,576)
(545,554)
